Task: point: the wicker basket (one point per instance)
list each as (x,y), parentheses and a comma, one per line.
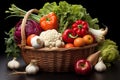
(52,60)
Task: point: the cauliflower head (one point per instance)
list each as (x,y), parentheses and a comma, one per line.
(52,38)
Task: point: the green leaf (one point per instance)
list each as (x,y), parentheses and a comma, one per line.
(11,47)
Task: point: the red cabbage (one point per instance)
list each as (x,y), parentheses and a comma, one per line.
(31,27)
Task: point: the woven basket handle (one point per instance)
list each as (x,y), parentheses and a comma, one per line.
(23,36)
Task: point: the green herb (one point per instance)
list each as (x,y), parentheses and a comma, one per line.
(11,47)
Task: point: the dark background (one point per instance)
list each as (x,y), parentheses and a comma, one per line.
(107,13)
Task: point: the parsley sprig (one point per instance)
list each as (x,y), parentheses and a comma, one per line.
(11,47)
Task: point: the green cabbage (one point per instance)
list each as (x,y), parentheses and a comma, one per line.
(110,54)
(109,51)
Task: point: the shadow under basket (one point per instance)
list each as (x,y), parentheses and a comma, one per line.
(56,60)
(52,60)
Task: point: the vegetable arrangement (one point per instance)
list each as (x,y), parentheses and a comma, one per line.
(62,25)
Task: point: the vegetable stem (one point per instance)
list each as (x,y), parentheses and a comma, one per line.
(65,26)
(15,11)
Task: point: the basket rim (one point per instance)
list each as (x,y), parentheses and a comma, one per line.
(58,49)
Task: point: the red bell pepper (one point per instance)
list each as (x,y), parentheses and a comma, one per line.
(80,27)
(68,36)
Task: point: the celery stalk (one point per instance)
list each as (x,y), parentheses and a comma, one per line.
(15,11)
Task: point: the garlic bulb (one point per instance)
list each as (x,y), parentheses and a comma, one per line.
(32,68)
(13,64)
(36,42)
(100,66)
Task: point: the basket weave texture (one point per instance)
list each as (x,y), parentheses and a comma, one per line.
(52,60)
